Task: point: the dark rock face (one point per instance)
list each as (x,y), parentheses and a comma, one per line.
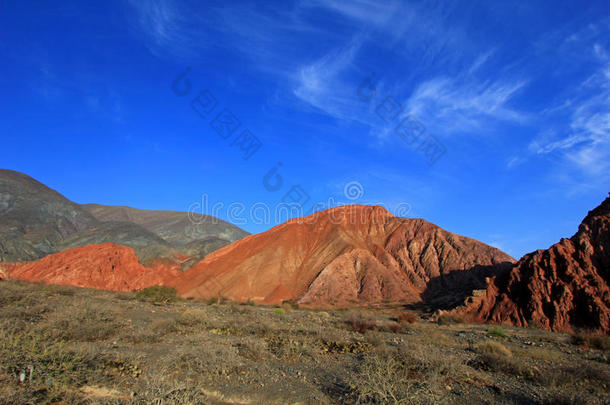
(561,288)
(36,221)
(352,255)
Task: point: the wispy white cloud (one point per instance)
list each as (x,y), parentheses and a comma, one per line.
(363,11)
(464,105)
(585,142)
(321,84)
(170,28)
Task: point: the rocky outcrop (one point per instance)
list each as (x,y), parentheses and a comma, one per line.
(351,255)
(105,266)
(562,288)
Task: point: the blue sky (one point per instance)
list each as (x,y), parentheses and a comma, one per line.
(516,94)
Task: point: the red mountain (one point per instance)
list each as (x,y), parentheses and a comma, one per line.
(561,288)
(105,266)
(341,256)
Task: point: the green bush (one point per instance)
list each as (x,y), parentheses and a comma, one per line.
(279,311)
(157,293)
(496,331)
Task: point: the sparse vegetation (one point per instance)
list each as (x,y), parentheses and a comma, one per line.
(448,319)
(157,293)
(496,331)
(407,317)
(592,340)
(494,349)
(88,346)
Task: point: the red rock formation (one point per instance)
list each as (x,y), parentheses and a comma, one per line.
(345,255)
(105,266)
(561,288)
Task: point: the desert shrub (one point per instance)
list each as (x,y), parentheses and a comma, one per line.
(51,363)
(259,328)
(448,319)
(392,327)
(539,353)
(26,313)
(58,289)
(413,374)
(162,391)
(595,375)
(591,339)
(252,348)
(437,337)
(164,326)
(494,349)
(375,339)
(383,377)
(235,308)
(279,311)
(139,335)
(157,293)
(407,317)
(494,356)
(124,296)
(288,347)
(192,317)
(496,331)
(290,305)
(210,359)
(84,321)
(359,322)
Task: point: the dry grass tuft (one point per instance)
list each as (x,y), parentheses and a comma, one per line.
(448,319)
(591,339)
(407,317)
(494,349)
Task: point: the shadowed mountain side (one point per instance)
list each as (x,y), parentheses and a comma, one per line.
(449,291)
(342,256)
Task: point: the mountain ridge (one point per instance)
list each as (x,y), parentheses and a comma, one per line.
(308,256)
(36,220)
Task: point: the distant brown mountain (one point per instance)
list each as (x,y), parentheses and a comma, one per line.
(342,256)
(36,221)
(561,288)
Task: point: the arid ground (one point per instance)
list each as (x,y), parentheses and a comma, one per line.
(70,345)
